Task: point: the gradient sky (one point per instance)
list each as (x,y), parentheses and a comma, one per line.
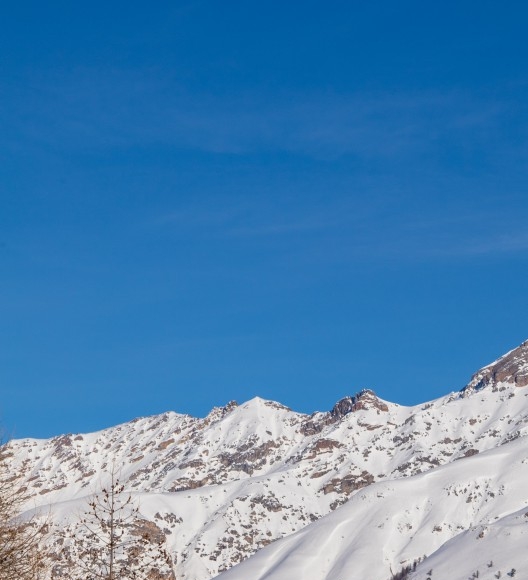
(206,201)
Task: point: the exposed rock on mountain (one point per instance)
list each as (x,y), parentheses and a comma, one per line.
(512,368)
(467,519)
(365,399)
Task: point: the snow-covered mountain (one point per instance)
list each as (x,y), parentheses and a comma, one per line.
(385,477)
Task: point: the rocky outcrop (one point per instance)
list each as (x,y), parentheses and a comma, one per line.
(364,400)
(511,368)
(349,483)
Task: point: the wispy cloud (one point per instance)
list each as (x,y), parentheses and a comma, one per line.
(254,218)
(443,241)
(117,108)
(96,111)
(493,244)
(344,230)
(309,224)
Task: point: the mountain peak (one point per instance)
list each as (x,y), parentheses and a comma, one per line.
(365,399)
(511,368)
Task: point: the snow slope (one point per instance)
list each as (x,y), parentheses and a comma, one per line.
(461,516)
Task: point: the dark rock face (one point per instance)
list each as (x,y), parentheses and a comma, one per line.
(365,399)
(342,407)
(511,368)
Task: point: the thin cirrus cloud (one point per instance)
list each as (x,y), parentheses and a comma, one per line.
(444,243)
(119,109)
(239,220)
(362,231)
(502,243)
(102,111)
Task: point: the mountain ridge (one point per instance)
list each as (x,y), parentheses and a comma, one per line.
(224,486)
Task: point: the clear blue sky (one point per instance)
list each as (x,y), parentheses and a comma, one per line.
(206,201)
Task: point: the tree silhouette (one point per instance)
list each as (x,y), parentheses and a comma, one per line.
(22,556)
(113,542)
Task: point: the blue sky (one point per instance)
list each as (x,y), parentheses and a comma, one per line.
(205,201)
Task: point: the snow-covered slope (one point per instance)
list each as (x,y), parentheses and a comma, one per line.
(461,516)
(227,485)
